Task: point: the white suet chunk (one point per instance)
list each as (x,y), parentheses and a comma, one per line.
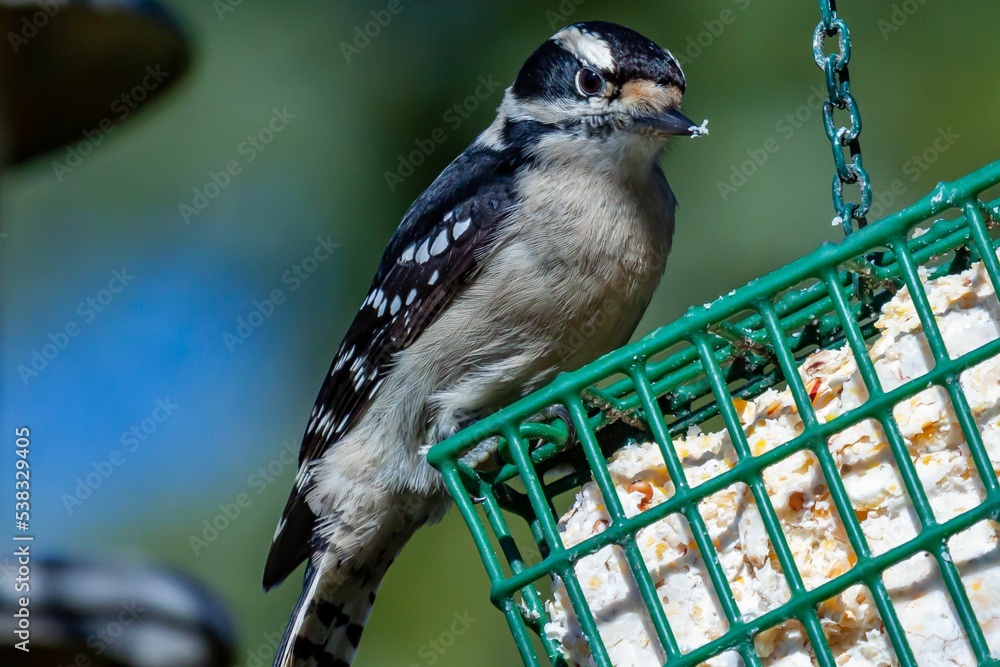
(968,315)
(699,130)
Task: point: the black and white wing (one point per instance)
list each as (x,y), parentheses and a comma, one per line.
(429,260)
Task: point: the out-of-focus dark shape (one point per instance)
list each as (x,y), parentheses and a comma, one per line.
(72,66)
(100,613)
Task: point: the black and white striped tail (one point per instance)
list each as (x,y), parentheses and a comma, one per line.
(326,627)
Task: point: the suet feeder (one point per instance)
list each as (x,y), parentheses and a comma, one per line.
(878,303)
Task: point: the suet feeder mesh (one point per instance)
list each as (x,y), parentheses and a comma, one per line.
(689,372)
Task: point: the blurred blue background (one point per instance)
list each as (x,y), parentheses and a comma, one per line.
(159,428)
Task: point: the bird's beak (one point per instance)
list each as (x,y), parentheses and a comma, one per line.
(672,123)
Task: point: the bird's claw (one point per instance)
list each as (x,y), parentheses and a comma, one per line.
(559,411)
(483,452)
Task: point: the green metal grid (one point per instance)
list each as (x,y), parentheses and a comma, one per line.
(738,346)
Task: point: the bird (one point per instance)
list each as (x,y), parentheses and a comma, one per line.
(534,252)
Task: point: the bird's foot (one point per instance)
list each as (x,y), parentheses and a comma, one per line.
(559,411)
(483,453)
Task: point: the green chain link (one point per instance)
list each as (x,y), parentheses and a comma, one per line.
(838,84)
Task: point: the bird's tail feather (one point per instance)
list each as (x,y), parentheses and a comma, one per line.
(326,627)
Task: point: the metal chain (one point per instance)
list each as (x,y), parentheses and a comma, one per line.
(838,85)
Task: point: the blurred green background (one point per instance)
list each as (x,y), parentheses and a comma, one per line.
(923,72)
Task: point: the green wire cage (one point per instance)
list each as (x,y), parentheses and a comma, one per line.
(688,373)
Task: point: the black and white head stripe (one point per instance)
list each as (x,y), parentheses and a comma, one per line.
(617,52)
(588,46)
(429,260)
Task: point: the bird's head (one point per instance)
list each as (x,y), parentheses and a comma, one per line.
(598,80)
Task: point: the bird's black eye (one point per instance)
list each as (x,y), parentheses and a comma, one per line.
(589,82)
